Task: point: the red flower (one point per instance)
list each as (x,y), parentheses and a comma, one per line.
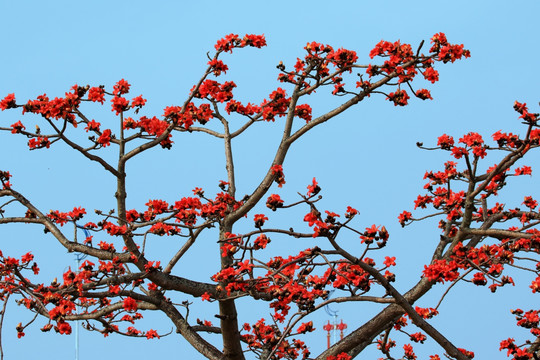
(389,261)
(77,213)
(259,220)
(96,94)
(260,242)
(305,327)
(303,112)
(163,229)
(120,104)
(39,143)
(138,101)
(423,94)
(115,229)
(151,266)
(8,102)
(227,43)
(151,334)
(132,215)
(458,152)
(342,57)
(277,170)
(399,97)
(479,279)
(524,170)
(409,352)
(418,337)
(467,353)
(105,138)
(273,202)
(17,127)
(422,201)
(121,88)
(445,142)
(92,126)
(341,356)
(350,212)
(314,188)
(63,328)
(218,67)
(472,139)
(152,287)
(431,74)
(257,41)
(106,246)
(130,304)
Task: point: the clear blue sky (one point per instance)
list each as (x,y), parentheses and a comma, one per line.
(366,158)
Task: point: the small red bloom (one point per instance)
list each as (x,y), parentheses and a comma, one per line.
(305,327)
(273,202)
(120,104)
(8,102)
(277,170)
(314,188)
(351,212)
(431,74)
(259,220)
(218,67)
(524,170)
(121,88)
(138,101)
(64,328)
(92,126)
(17,127)
(96,94)
(445,142)
(303,112)
(39,143)
(130,304)
(390,261)
(151,334)
(105,138)
(399,97)
(423,94)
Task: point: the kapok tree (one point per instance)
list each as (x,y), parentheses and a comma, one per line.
(119,281)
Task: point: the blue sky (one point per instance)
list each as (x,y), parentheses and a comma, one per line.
(366,158)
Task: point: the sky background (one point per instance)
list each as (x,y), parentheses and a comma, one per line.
(366,158)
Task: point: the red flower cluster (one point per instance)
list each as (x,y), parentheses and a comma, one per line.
(218,67)
(92,126)
(130,304)
(277,106)
(39,143)
(119,104)
(277,171)
(447,52)
(62,218)
(8,102)
(97,94)
(235,106)
(213,90)
(17,127)
(259,220)
(399,97)
(522,109)
(232,41)
(105,138)
(121,88)
(273,202)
